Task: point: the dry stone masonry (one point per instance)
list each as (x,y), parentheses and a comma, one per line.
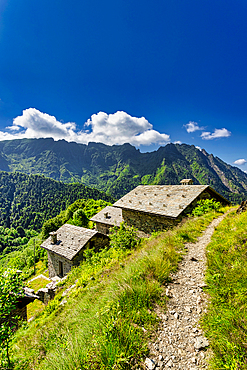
(180,343)
(242,207)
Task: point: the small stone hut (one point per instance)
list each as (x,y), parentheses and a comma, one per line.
(107,218)
(65,247)
(186,182)
(157,207)
(20,312)
(21,308)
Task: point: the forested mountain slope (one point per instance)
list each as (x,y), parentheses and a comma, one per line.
(28,201)
(119,168)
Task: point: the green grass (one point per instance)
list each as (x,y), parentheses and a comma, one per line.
(225,323)
(37,283)
(34,308)
(109,317)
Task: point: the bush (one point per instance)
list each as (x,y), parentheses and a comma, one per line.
(205,206)
(124,237)
(79,218)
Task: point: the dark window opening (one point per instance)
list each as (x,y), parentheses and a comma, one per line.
(60,268)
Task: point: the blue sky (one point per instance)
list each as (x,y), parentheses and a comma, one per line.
(119,71)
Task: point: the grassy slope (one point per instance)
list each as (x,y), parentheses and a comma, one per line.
(226,320)
(109,317)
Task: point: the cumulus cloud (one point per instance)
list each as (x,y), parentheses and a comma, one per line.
(218,133)
(198,147)
(177,142)
(192,127)
(240,162)
(117,128)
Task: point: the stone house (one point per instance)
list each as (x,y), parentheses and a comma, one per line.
(65,247)
(107,218)
(157,207)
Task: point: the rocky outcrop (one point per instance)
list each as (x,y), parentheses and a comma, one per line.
(243,207)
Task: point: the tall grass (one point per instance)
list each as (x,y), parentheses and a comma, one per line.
(107,321)
(225,323)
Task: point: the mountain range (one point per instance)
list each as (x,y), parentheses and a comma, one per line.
(119,168)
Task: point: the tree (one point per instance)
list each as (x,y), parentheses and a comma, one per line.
(80,218)
(20,231)
(11,283)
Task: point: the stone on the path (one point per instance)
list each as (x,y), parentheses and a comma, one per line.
(200,343)
(64,301)
(169,363)
(150,364)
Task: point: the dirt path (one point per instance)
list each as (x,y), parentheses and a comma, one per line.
(180,343)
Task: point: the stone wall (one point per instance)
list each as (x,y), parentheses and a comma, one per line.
(147,223)
(21,313)
(18,314)
(53,264)
(102,228)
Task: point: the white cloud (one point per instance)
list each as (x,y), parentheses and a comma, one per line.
(192,127)
(177,142)
(240,162)
(117,128)
(218,133)
(198,147)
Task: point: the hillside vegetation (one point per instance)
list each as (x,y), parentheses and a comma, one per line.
(118,169)
(21,255)
(26,202)
(225,323)
(108,316)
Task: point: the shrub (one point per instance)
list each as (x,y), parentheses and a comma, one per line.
(80,218)
(205,206)
(124,237)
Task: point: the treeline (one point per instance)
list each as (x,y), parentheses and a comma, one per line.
(29,200)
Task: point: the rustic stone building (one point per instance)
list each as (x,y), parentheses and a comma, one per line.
(19,314)
(21,308)
(65,247)
(186,182)
(107,218)
(157,207)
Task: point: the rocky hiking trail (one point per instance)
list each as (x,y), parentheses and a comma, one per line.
(180,343)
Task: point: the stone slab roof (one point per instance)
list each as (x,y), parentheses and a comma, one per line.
(70,240)
(164,200)
(109,215)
